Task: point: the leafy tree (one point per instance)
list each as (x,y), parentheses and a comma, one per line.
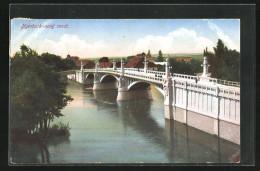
(224,62)
(141,54)
(104,59)
(160,57)
(67,64)
(37,92)
(57,63)
(182,67)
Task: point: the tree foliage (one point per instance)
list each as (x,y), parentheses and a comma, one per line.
(160,57)
(182,67)
(149,53)
(224,62)
(37,91)
(57,63)
(140,54)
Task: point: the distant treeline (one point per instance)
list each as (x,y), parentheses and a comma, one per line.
(224,63)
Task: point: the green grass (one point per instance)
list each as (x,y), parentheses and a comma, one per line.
(199,57)
(194,56)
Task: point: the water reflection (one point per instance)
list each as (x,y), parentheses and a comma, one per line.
(137,114)
(107,130)
(29,149)
(178,141)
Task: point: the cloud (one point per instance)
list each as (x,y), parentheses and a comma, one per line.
(178,41)
(227,40)
(75,46)
(27,36)
(35,34)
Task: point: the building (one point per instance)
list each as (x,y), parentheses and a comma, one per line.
(75,58)
(104,63)
(138,62)
(186,59)
(87,64)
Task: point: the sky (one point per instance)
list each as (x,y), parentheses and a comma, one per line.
(89,38)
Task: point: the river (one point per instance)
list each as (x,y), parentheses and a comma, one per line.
(104,130)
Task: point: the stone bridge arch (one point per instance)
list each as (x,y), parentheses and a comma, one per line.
(108,78)
(89,78)
(141,85)
(105,82)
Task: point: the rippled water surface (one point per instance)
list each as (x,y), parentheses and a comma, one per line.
(109,131)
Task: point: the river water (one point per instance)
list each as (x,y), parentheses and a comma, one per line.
(104,130)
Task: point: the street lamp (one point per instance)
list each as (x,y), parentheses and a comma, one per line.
(171,71)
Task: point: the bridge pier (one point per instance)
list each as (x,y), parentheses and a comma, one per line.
(125,94)
(168,97)
(103,86)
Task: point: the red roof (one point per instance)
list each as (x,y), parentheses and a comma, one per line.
(138,62)
(105,64)
(87,64)
(182,58)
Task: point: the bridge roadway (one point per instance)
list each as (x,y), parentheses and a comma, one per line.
(154,77)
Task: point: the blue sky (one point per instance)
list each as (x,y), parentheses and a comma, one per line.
(96,38)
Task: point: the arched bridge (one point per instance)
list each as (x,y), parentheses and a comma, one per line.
(205,103)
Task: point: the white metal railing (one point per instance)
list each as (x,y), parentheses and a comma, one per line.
(225,82)
(136,73)
(134,69)
(157,75)
(145,77)
(156,72)
(185,76)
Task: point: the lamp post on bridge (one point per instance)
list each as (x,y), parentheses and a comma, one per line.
(122,67)
(170,69)
(81,65)
(205,67)
(145,65)
(114,64)
(167,68)
(97,66)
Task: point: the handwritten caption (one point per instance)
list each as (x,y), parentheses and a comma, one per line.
(47,26)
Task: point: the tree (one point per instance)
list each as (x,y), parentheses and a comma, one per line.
(149,53)
(37,92)
(140,54)
(57,62)
(67,64)
(224,62)
(160,56)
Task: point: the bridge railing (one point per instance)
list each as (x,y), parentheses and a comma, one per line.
(148,71)
(134,69)
(184,76)
(225,82)
(137,73)
(145,76)
(158,76)
(156,72)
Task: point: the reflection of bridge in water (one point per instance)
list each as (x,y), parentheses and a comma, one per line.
(177,140)
(201,102)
